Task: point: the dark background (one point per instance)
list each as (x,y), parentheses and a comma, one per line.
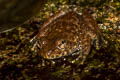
(19,62)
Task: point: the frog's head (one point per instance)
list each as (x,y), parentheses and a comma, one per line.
(56,46)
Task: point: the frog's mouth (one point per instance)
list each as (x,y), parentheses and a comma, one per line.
(75,52)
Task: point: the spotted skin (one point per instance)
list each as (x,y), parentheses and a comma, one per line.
(64,33)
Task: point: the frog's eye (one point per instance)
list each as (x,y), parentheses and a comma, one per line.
(61,44)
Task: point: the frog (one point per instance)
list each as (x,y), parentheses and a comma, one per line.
(66,33)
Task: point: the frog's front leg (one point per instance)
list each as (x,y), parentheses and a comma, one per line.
(85,47)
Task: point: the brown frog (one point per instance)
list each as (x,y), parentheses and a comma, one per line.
(67,33)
